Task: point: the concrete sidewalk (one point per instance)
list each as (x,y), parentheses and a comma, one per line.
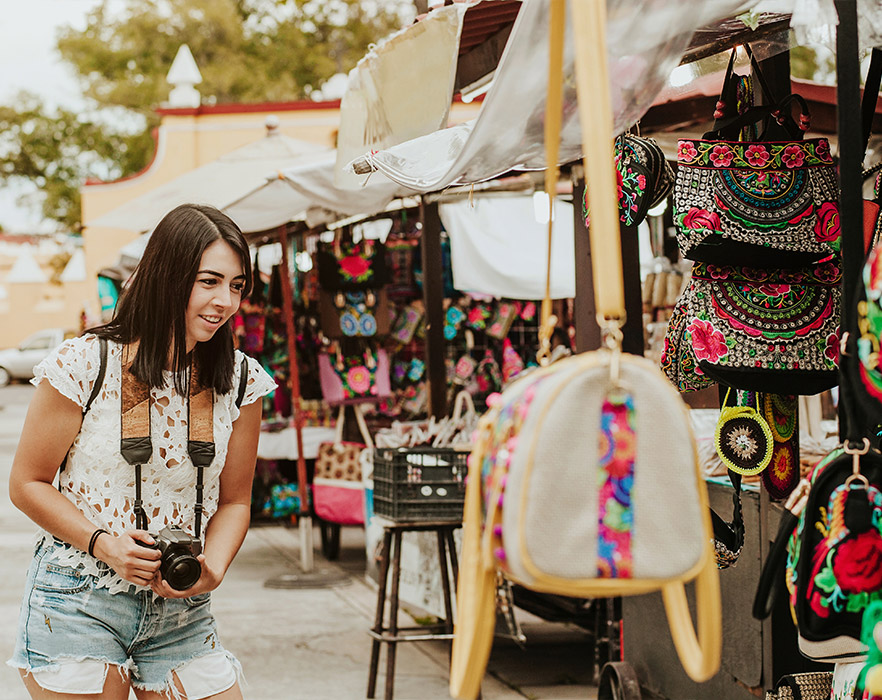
(307,643)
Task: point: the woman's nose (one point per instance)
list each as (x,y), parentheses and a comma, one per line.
(223,296)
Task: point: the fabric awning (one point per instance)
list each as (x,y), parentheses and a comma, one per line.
(645,39)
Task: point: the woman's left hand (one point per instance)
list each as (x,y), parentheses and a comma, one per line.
(208,581)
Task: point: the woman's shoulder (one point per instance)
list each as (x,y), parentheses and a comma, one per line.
(72,367)
(255,383)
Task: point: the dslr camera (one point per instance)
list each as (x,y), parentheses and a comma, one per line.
(178,566)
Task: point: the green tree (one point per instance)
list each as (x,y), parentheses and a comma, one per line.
(246,50)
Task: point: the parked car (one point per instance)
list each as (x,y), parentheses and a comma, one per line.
(18,363)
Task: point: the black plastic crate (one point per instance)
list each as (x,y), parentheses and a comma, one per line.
(417,484)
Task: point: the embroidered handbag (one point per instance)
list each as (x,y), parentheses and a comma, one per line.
(644,177)
(803,686)
(763,330)
(768,203)
(354,314)
(356,378)
(579,465)
(349,266)
(337,489)
(832,540)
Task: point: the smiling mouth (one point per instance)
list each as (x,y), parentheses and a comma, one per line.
(212,319)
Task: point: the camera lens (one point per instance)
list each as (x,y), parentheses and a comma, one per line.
(181,571)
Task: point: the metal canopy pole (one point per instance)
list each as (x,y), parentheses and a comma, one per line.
(305,520)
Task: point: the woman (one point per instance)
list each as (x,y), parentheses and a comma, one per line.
(95,599)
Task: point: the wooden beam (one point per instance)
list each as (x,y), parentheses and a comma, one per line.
(481,60)
(433,299)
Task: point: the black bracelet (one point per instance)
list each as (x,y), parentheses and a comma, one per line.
(94,539)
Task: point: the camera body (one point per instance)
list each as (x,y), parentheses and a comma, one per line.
(178,566)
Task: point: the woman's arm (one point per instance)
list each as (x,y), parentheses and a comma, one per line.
(50,427)
(228,526)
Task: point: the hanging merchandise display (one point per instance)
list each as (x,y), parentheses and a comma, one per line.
(357,378)
(344,265)
(767,203)
(337,490)
(355,313)
(831,532)
(832,539)
(743,438)
(763,330)
(645,178)
(592,453)
(782,416)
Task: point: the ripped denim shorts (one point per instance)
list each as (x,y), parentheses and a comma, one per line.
(71,632)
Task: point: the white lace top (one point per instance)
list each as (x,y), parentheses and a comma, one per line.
(97,478)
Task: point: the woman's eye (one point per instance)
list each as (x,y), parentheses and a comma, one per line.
(238,287)
(209,281)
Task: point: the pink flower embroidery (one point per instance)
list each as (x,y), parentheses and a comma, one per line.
(774,290)
(359,379)
(701,219)
(721,155)
(827,223)
(792,156)
(822,151)
(718,273)
(641,182)
(831,351)
(686,150)
(355,266)
(707,342)
(757,155)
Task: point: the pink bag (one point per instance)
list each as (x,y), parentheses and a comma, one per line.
(356,379)
(337,487)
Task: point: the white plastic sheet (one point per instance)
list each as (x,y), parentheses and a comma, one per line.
(646,39)
(498,247)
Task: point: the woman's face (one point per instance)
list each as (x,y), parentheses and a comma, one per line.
(216,293)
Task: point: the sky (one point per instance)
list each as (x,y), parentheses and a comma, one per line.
(29,61)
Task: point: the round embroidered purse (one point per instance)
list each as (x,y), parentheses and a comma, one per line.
(743,440)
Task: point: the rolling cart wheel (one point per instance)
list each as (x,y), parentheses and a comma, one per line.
(618,682)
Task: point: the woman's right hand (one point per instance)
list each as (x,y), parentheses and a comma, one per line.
(132,561)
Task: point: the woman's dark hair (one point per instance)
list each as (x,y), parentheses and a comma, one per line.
(152,308)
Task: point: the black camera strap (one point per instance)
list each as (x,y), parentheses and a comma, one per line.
(136,445)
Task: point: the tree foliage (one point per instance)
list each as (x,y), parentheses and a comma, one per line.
(246,50)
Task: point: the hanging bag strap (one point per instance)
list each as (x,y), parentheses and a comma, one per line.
(359,419)
(96,389)
(851,156)
(699,654)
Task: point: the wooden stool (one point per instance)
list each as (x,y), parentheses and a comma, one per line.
(392,634)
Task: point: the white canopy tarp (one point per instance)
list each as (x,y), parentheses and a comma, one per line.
(220,183)
(416,68)
(645,39)
(498,247)
(282,196)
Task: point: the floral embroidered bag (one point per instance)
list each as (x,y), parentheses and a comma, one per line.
(833,539)
(768,203)
(359,378)
(772,331)
(349,266)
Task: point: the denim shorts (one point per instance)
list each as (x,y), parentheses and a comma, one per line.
(70,632)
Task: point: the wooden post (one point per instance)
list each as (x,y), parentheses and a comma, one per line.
(433,298)
(587,330)
(584,311)
(305,523)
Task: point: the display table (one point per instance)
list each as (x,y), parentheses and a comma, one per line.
(282,444)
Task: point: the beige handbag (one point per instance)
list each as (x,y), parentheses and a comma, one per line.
(584,479)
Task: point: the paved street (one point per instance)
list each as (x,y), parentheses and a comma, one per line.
(305,643)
